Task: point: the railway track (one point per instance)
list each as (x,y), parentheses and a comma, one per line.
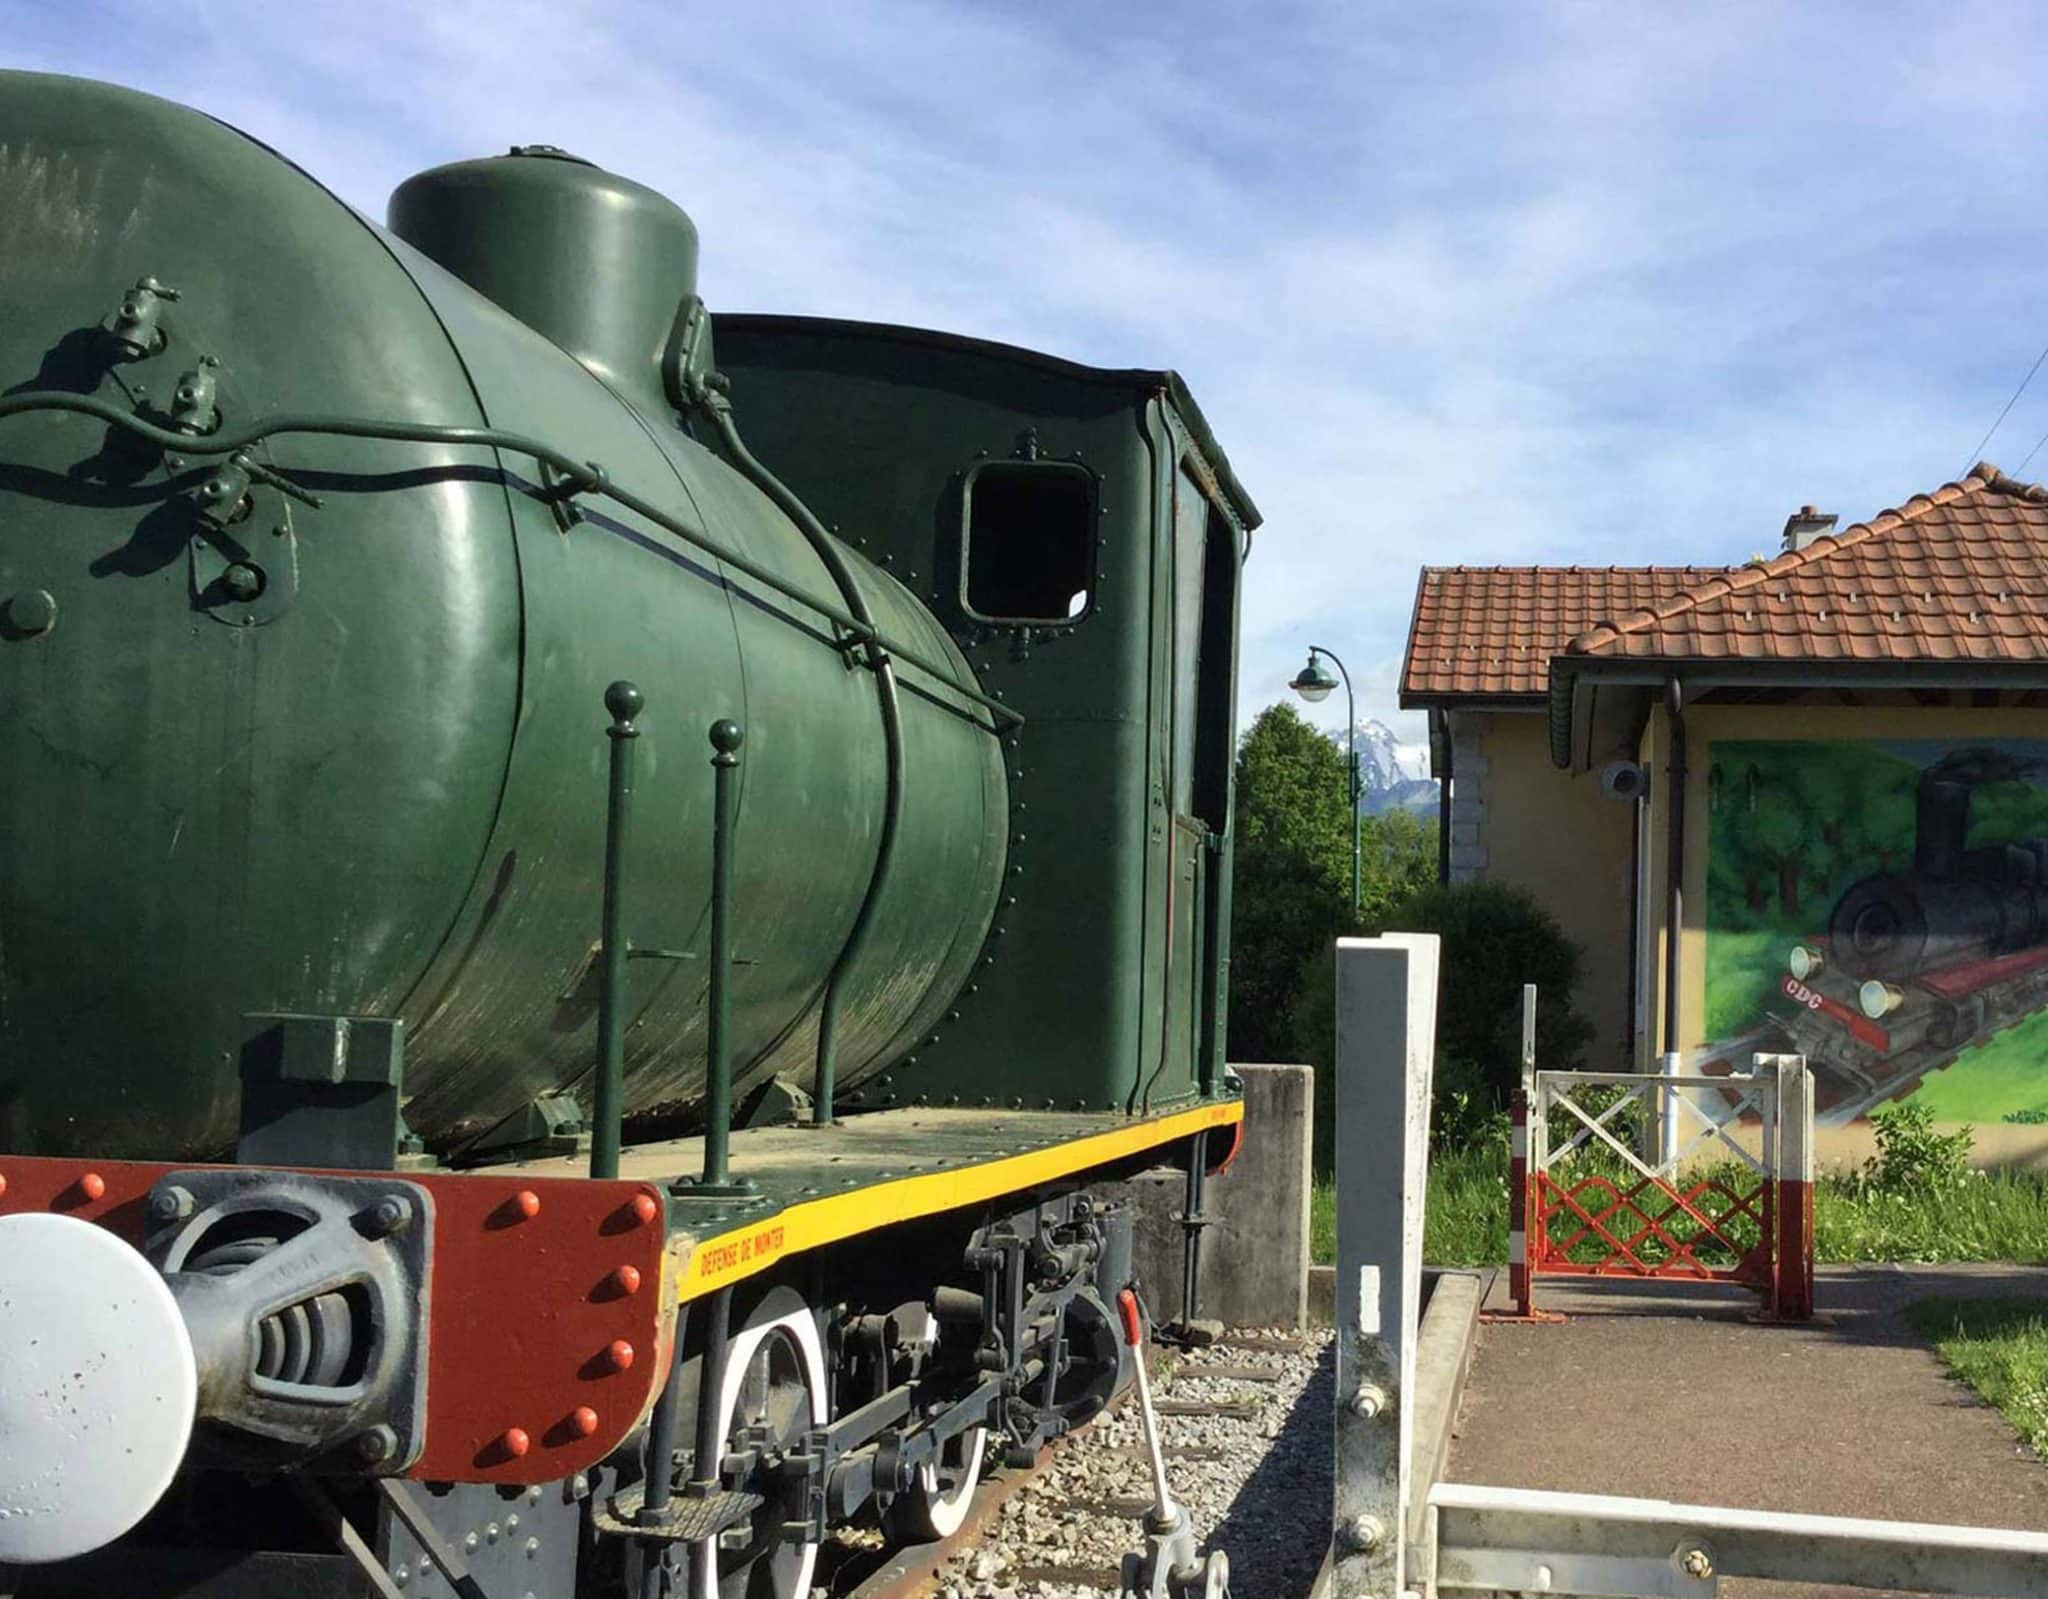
(1245,1426)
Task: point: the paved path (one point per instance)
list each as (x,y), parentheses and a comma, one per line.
(1668,1392)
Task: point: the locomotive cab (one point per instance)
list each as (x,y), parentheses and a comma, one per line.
(1081,536)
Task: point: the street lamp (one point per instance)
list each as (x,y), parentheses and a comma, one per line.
(1314,684)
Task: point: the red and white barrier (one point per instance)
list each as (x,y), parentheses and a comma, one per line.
(1518,1204)
(1792,1281)
(1654,1222)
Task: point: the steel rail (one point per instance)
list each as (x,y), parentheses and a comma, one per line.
(585,477)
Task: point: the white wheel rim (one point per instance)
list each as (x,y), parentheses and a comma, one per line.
(97,1388)
(803,1332)
(947,1510)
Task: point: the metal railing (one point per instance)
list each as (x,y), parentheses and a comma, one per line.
(1585,1201)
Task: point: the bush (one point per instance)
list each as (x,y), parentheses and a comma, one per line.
(1284,919)
(1912,1158)
(1495,939)
(1627,1126)
(1463,1106)
(1312,1038)
(1462,1110)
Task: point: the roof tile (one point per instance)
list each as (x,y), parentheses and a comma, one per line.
(1490,632)
(1961,572)
(1920,582)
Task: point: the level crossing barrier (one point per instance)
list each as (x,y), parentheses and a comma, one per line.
(1584,1203)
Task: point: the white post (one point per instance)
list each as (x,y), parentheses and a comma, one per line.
(1670,1065)
(1789,1170)
(1386,1047)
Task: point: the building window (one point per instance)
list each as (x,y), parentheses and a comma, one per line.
(1028,555)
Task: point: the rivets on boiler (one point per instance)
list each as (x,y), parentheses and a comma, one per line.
(644,1208)
(29,614)
(583,1421)
(618,1355)
(623,1281)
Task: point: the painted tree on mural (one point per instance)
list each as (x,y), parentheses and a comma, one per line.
(1791,825)
(1783,835)
(1883,819)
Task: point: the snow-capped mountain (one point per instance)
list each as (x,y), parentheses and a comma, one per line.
(1391,774)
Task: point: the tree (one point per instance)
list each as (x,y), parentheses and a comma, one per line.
(1785,836)
(1291,783)
(1496,937)
(1398,850)
(1292,889)
(1292,878)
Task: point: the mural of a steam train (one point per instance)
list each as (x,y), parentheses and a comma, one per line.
(1917,965)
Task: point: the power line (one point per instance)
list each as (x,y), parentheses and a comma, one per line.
(1977,454)
(2036,450)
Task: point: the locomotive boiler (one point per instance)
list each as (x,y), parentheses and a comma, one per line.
(1919,964)
(269,757)
(464,716)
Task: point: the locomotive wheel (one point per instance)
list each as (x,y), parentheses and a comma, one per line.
(1100,1360)
(935,1505)
(774,1383)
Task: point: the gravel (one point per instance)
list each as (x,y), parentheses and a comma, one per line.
(1257,1482)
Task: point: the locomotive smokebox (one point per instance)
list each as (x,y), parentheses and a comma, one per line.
(595,261)
(1880,926)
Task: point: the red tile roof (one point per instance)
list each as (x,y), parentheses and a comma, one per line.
(1488,632)
(1959,574)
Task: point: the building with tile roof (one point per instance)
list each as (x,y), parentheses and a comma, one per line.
(1691,764)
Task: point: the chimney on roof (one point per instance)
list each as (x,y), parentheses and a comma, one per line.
(1805,525)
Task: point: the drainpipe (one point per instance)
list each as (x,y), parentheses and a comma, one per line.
(1443,829)
(1440,761)
(1674,908)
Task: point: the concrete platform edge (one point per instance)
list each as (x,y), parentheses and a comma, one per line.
(1443,1359)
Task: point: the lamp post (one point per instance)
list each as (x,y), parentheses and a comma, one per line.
(1314,684)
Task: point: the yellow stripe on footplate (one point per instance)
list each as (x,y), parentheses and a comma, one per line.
(729,1257)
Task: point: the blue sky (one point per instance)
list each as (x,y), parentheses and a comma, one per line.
(1521,282)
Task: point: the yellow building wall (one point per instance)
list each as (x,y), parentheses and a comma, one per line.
(1706,724)
(1557,836)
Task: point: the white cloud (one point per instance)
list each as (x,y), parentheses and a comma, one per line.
(1594,283)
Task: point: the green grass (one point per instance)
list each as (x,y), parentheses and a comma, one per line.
(1996,1216)
(2001,1216)
(1994,1080)
(1465,1222)
(2000,1348)
(1743,972)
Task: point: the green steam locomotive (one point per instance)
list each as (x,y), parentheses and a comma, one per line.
(458,717)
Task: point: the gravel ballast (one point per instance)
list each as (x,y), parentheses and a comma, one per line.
(1256,1479)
